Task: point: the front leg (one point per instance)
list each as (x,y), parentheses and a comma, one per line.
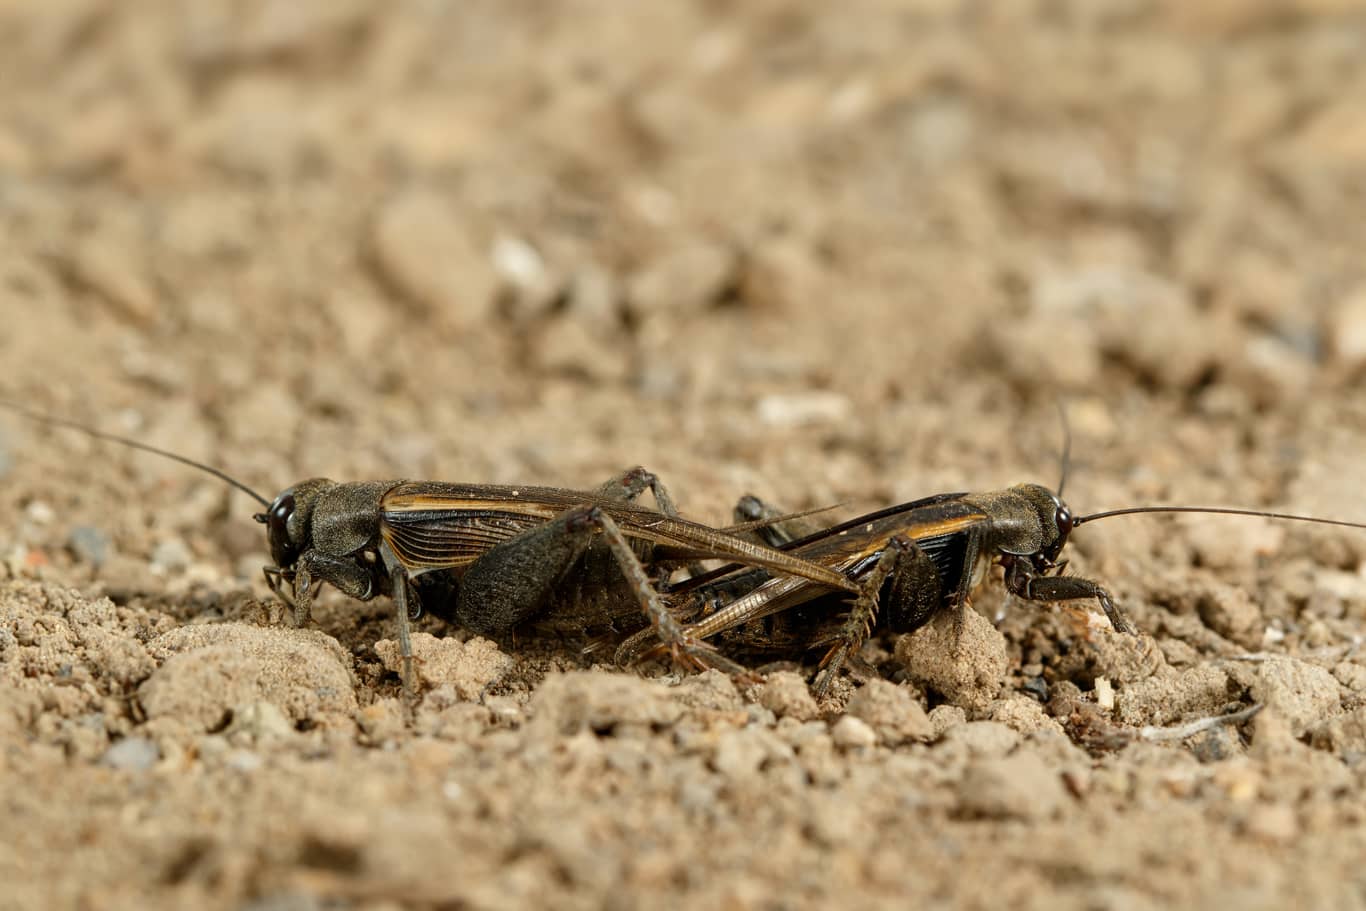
(403,595)
(345,574)
(972,549)
(1024,581)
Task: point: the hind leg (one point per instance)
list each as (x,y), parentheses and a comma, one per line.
(517,579)
(904,585)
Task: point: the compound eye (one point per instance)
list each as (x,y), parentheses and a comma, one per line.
(1063,518)
(282,549)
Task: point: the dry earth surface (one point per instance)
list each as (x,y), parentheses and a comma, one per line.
(828,253)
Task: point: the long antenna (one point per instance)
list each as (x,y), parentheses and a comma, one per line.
(1218,510)
(1066,447)
(132,444)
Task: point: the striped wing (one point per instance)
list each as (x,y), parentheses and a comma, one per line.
(433,526)
(937,524)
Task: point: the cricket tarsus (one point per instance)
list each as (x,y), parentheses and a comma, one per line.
(1022,581)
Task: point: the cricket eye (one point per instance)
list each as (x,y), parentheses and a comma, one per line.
(1063,518)
(282,548)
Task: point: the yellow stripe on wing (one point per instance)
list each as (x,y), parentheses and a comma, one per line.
(635,522)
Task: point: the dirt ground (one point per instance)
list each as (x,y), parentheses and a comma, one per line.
(847,253)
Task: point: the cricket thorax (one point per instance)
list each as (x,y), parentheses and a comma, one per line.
(345,517)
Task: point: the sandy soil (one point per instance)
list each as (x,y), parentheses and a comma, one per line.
(850,256)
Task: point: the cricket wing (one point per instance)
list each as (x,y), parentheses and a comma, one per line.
(936,524)
(438,526)
(850,547)
(433,526)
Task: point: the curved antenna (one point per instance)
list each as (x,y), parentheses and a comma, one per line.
(133,444)
(1217,510)
(1066,447)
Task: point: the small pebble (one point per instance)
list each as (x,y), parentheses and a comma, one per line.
(131,754)
(892,712)
(1276,824)
(1021,786)
(684,279)
(946,717)
(39,513)
(851,733)
(778,276)
(1105,693)
(426,255)
(803,409)
(1217,744)
(259,719)
(532,289)
(244,760)
(171,556)
(518,262)
(739,753)
(381,720)
(1346,329)
(89,544)
(787,696)
(981,738)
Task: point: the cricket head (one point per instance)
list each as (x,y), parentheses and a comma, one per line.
(287,521)
(1055,522)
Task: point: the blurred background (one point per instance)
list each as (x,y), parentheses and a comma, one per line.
(829,253)
(852,255)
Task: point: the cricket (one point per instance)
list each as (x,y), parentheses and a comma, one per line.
(501,555)
(910,562)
